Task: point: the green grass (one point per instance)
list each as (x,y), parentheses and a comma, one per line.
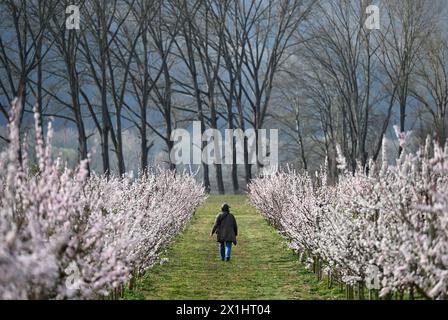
(262,266)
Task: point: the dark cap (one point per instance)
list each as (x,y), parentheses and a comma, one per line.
(225,207)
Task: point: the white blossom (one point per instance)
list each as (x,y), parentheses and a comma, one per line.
(64,234)
(394,219)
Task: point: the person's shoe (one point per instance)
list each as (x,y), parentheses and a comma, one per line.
(228,259)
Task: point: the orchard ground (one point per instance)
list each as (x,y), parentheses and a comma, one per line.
(262,266)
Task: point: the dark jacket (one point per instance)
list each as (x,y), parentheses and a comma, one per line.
(225,227)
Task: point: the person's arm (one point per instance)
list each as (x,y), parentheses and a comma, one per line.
(235,226)
(215,226)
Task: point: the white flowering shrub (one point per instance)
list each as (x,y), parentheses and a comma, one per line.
(64,234)
(393,219)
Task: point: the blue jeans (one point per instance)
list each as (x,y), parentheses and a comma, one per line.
(225,249)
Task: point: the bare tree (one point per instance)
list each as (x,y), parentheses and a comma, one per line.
(188,55)
(431,85)
(104,20)
(342,48)
(270,36)
(409,26)
(66,44)
(22,49)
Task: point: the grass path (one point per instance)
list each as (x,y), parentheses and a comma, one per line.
(262,267)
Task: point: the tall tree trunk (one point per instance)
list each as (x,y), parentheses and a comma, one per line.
(39,82)
(145,99)
(302,146)
(119,147)
(105,115)
(233,166)
(74,83)
(218,166)
(143,139)
(402,120)
(167,111)
(365,123)
(206,174)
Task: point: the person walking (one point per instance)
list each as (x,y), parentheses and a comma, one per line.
(226,231)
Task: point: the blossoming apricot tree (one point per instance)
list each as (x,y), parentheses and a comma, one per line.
(59,222)
(393,218)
